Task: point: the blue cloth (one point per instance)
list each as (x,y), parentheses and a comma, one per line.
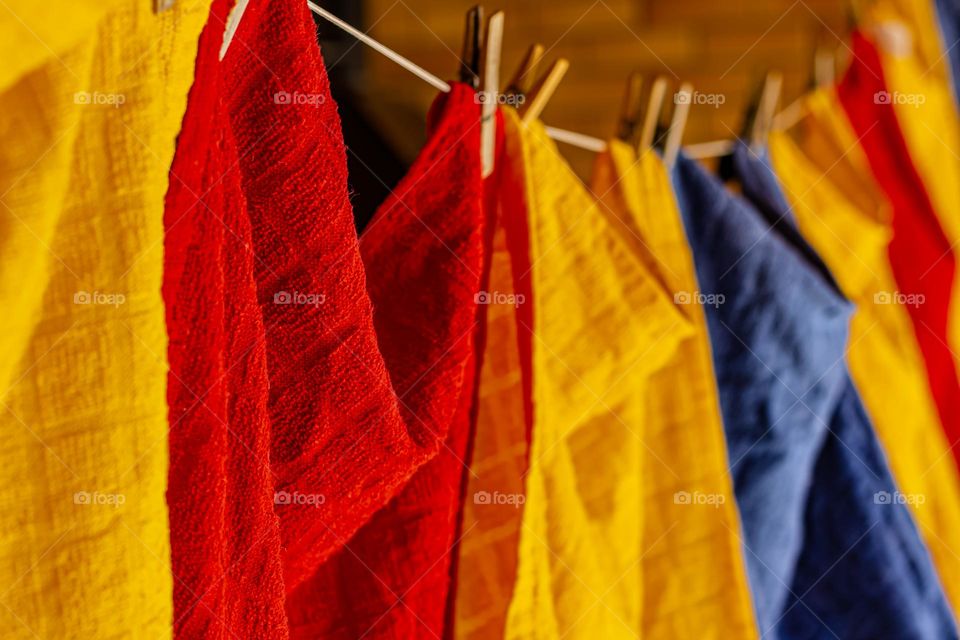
(949,13)
(828,554)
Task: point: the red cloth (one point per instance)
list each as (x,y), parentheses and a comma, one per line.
(920,254)
(423,253)
(225,538)
(272,327)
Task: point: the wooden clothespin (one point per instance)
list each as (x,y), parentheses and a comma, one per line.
(472,48)
(824,66)
(519,85)
(159,6)
(681,109)
(233,23)
(651,118)
(542,92)
(630,109)
(492,45)
(763,109)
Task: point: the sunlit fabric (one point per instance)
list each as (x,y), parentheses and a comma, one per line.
(701,560)
(91,99)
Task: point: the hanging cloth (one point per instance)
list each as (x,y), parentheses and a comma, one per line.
(224,535)
(91,103)
(923,262)
(923,32)
(423,250)
(884,358)
(348,418)
(803,451)
(701,561)
(928,118)
(948,12)
(487,560)
(31,40)
(601,325)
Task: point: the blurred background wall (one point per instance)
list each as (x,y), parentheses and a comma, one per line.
(722,46)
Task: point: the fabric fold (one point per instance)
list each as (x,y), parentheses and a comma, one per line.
(225,536)
(601,325)
(697,577)
(91,105)
(487,553)
(884,358)
(922,259)
(424,252)
(829,551)
(925,34)
(929,120)
(322,408)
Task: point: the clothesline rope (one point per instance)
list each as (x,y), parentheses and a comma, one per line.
(407,64)
(561,135)
(573,138)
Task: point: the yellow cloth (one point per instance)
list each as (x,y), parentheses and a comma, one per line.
(88,126)
(920,18)
(695,584)
(847,221)
(928,117)
(34,32)
(596,527)
(488,547)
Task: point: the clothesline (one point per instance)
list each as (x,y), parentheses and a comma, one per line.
(573,138)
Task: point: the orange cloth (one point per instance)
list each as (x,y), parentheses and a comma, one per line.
(490,533)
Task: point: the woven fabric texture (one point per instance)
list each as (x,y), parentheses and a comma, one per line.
(696,572)
(803,451)
(321,408)
(922,259)
(600,327)
(852,233)
(91,106)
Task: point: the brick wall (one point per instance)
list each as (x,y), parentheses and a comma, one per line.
(721,46)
